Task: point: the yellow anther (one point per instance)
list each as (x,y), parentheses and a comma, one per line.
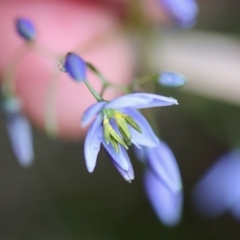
(118,115)
(105,121)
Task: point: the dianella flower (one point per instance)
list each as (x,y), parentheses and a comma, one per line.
(218,191)
(184,12)
(118,125)
(162,182)
(19,131)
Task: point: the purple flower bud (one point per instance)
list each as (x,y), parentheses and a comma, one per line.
(218,191)
(75,66)
(19,131)
(25,29)
(167,204)
(171,80)
(184,12)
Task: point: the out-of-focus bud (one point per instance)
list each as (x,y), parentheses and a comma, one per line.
(19,131)
(171,80)
(167,204)
(163,182)
(184,12)
(25,29)
(218,191)
(75,66)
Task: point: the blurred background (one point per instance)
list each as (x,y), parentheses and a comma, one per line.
(56,198)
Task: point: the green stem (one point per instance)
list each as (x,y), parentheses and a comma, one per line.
(93,91)
(9,80)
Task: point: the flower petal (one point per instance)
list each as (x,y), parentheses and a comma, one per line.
(140,153)
(92,143)
(19,131)
(163,163)
(90,112)
(121,158)
(167,204)
(128,174)
(147,137)
(141,100)
(218,191)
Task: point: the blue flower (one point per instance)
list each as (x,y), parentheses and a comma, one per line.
(25,29)
(163,182)
(171,80)
(184,12)
(19,131)
(75,66)
(118,124)
(218,191)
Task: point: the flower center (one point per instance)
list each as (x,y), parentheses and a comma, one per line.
(120,133)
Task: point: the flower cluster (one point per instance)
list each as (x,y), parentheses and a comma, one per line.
(117,125)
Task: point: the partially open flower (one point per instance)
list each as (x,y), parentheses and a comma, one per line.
(118,125)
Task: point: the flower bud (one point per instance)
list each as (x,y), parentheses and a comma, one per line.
(171,80)
(184,12)
(25,29)
(75,66)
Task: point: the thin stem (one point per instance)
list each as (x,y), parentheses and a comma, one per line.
(93,91)
(50,105)
(9,80)
(143,80)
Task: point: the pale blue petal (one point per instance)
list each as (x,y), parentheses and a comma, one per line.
(92,143)
(141,100)
(219,191)
(167,204)
(89,114)
(128,174)
(140,153)
(119,158)
(235,210)
(162,162)
(20,135)
(147,137)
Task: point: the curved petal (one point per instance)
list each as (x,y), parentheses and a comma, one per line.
(164,165)
(91,112)
(121,159)
(147,137)
(167,204)
(128,174)
(92,143)
(141,100)
(218,191)
(140,153)
(19,132)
